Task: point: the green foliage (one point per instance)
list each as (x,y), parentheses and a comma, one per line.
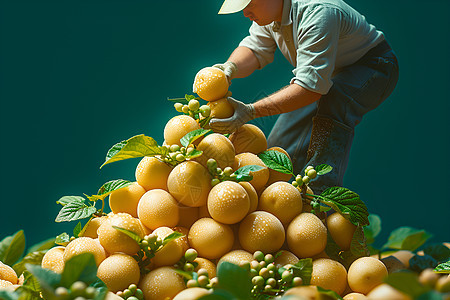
(408,283)
(79,268)
(75,210)
(63,239)
(443,268)
(418,263)
(229,275)
(173,236)
(277,161)
(323,169)
(303,269)
(244,173)
(194,135)
(129,233)
(406,238)
(328,293)
(372,230)
(12,248)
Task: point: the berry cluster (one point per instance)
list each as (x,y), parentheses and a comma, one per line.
(77,291)
(193,109)
(176,154)
(131,293)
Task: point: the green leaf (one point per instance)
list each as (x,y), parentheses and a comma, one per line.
(12,248)
(137,146)
(229,275)
(195,153)
(438,251)
(178,100)
(77,230)
(372,230)
(44,245)
(407,238)
(70,199)
(101,288)
(48,280)
(75,211)
(63,239)
(192,136)
(347,203)
(331,294)
(109,187)
(277,161)
(79,268)
(418,263)
(443,268)
(31,287)
(34,258)
(303,269)
(358,245)
(173,236)
(129,233)
(323,169)
(431,295)
(406,282)
(7,295)
(184,274)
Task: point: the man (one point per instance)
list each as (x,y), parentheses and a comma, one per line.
(343,68)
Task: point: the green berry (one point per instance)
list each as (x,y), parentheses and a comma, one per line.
(245,265)
(139,294)
(215,181)
(90,292)
(132,298)
(258,281)
(202,272)
(267,287)
(272,282)
(228,171)
(194,105)
(202,280)
(253,272)
(299,180)
(178,107)
(214,282)
(188,267)
(180,157)
(185,109)
(174,148)
(190,255)
(264,273)
(297,281)
(262,264)
(287,276)
(189,150)
(294,183)
(192,283)
(205,110)
(269,258)
(312,174)
(219,171)
(271,267)
(133,288)
(151,238)
(309,168)
(127,293)
(62,292)
(77,288)
(255,265)
(306,179)
(144,243)
(258,255)
(211,164)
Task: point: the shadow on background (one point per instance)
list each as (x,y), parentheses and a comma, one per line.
(78,76)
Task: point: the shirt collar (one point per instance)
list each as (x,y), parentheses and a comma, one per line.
(285,18)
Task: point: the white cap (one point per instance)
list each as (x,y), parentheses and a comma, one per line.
(232,6)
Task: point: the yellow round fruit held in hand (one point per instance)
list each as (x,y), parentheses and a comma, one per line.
(158,208)
(189,183)
(329,274)
(281,199)
(249,138)
(85,245)
(365,273)
(221,109)
(54,259)
(152,173)
(171,252)
(126,199)
(259,177)
(7,273)
(177,127)
(210,84)
(161,283)
(262,231)
(228,202)
(341,230)
(210,238)
(118,271)
(115,241)
(306,235)
(216,146)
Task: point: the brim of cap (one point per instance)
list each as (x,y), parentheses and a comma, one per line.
(232,6)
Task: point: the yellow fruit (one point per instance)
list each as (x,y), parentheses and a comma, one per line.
(126,199)
(152,173)
(192,294)
(221,109)
(115,241)
(211,84)
(206,264)
(171,252)
(228,202)
(308,292)
(188,215)
(53,259)
(5,285)
(84,245)
(236,257)
(261,230)
(341,230)
(428,277)
(7,273)
(249,138)
(252,195)
(275,176)
(118,271)
(189,183)
(112,296)
(158,208)
(306,235)
(177,127)
(355,296)
(443,284)
(259,177)
(384,292)
(283,200)
(161,283)
(365,273)
(94,224)
(329,274)
(286,257)
(404,256)
(210,238)
(216,146)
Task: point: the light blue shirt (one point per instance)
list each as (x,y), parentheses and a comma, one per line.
(318,37)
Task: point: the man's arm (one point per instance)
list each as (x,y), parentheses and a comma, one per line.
(245,60)
(288,99)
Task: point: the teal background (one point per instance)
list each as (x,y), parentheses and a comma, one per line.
(78,76)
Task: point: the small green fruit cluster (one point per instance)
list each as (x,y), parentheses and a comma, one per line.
(193,109)
(78,291)
(131,293)
(267,278)
(150,244)
(201,279)
(187,263)
(218,174)
(310,173)
(177,154)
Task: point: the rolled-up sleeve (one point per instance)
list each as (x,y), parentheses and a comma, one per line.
(318,35)
(261,42)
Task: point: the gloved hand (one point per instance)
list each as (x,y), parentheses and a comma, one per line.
(229,68)
(242,114)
